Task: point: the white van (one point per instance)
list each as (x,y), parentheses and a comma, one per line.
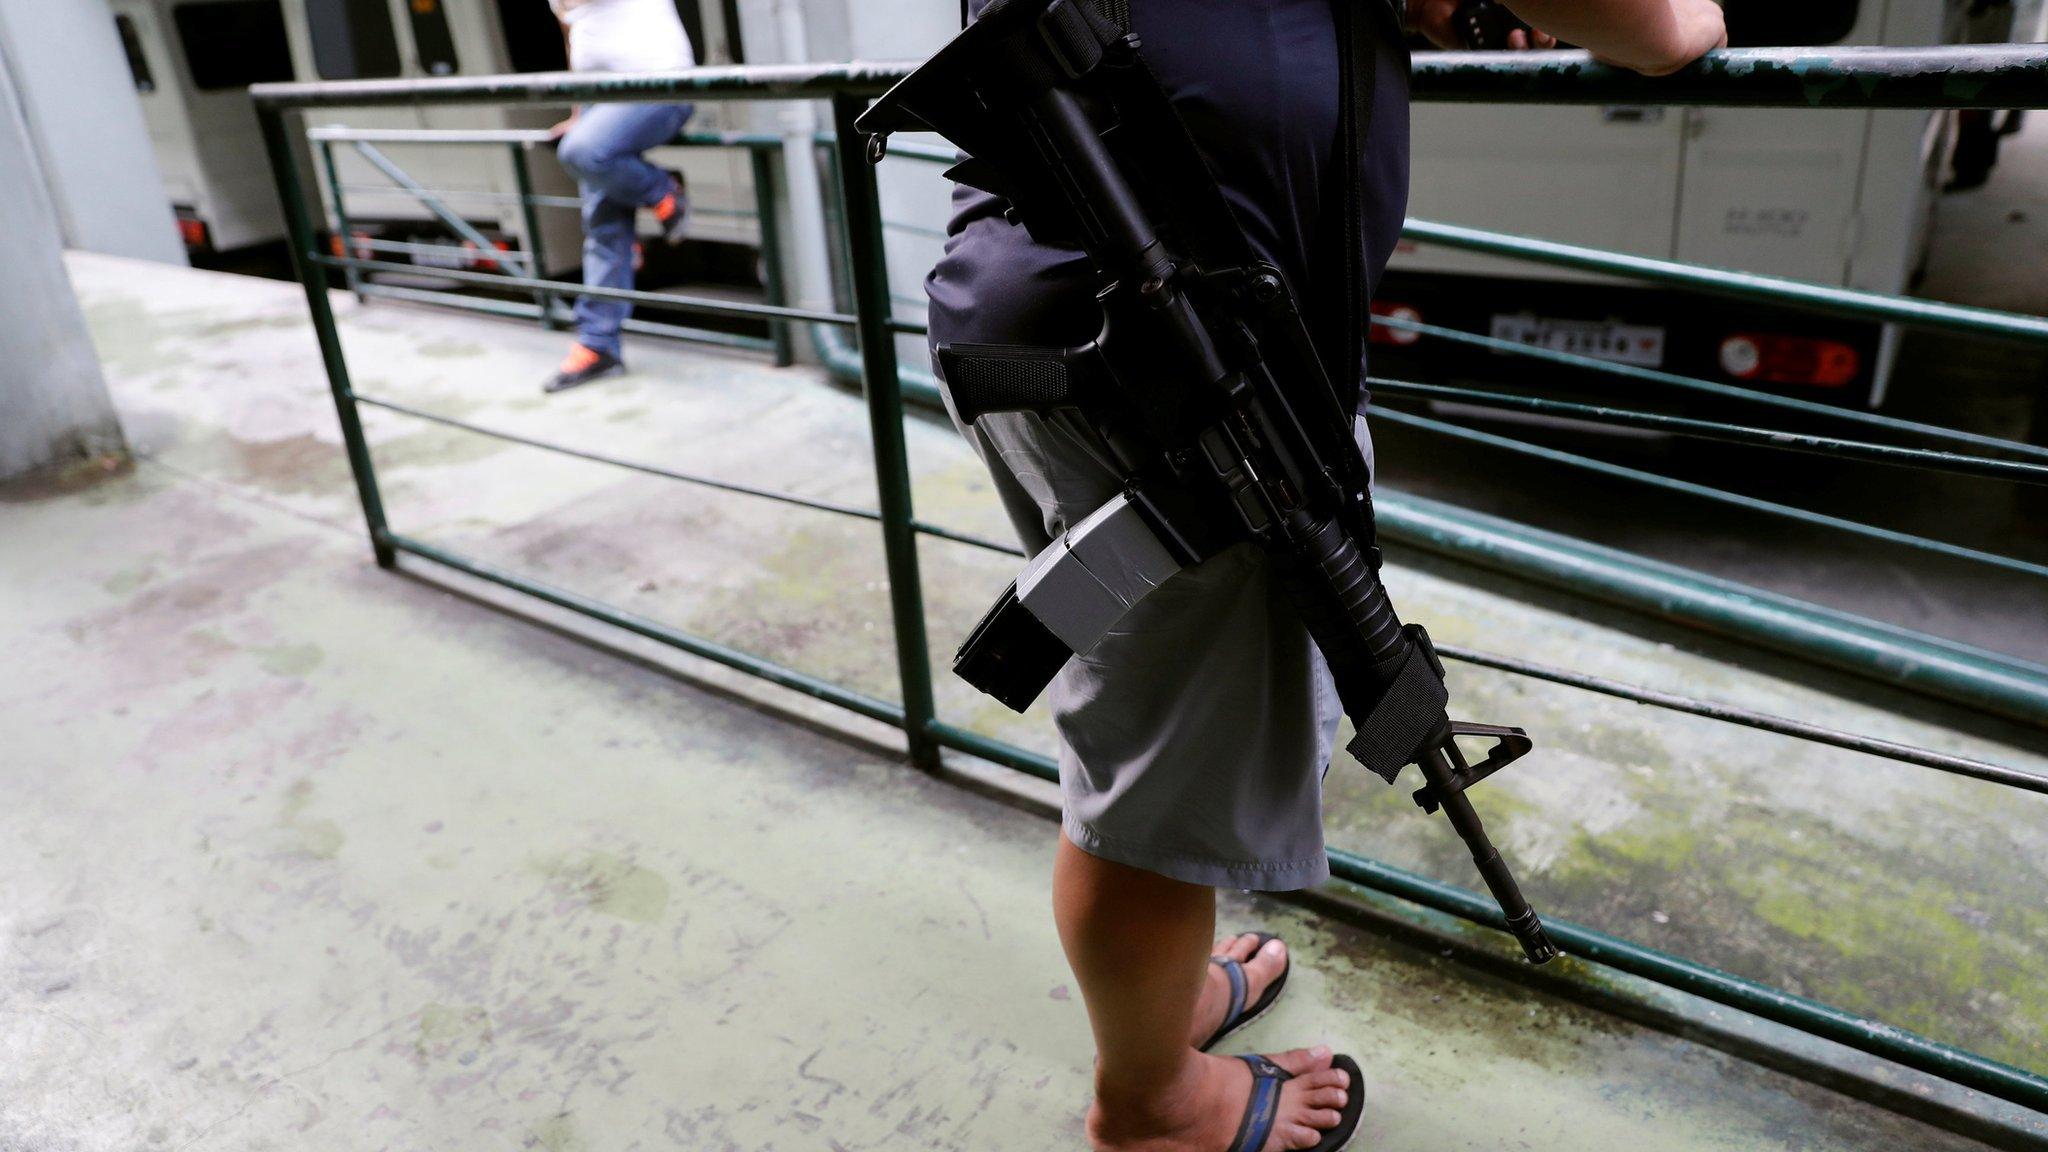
(194,60)
(192,64)
(1836,197)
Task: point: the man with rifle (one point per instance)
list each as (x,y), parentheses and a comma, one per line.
(1150,322)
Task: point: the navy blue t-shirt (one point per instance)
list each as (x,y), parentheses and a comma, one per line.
(1257,82)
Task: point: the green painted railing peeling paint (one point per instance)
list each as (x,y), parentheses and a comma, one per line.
(1964,76)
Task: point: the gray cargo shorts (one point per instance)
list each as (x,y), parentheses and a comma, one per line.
(1195,736)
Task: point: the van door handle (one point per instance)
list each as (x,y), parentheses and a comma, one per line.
(1632,114)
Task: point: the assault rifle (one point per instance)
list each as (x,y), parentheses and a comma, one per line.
(1204,382)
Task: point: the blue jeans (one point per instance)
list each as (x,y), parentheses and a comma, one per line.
(603,152)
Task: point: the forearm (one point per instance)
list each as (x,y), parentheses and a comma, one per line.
(1644,35)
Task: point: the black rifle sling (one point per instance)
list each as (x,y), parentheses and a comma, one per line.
(1358,72)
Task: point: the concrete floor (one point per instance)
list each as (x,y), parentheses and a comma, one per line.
(296,853)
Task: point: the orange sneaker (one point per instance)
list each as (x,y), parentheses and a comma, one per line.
(581,366)
(673,211)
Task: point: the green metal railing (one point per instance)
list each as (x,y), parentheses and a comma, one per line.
(1947,78)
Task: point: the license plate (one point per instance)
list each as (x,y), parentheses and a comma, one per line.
(429,258)
(1624,343)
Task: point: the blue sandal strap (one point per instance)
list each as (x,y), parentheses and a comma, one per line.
(1262,1110)
(1234,972)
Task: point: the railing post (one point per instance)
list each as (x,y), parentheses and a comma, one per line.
(341,226)
(536,249)
(291,194)
(771,252)
(860,201)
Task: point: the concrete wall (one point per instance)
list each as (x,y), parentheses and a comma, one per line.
(54,406)
(78,101)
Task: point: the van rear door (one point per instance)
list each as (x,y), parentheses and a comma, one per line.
(1775,190)
(1603,177)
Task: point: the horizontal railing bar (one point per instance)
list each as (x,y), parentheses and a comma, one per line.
(1919,458)
(703,304)
(753,141)
(525,309)
(804,682)
(1762,721)
(339,133)
(1711,387)
(909,327)
(1918,78)
(1938,668)
(1751,503)
(425,248)
(699,479)
(682,331)
(342,133)
(994,751)
(1920,1053)
(540,200)
(620,462)
(1956,76)
(1746,285)
(737,82)
(969,538)
(482,194)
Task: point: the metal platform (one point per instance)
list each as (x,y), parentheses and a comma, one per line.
(390,867)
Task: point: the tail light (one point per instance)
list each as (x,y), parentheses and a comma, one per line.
(1805,360)
(1385,334)
(192,230)
(483,263)
(357,244)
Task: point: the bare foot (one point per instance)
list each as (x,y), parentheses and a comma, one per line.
(1262,966)
(1201,1110)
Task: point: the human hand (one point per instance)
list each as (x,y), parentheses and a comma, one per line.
(1440,22)
(561,129)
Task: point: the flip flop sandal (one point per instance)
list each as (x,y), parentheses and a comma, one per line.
(1238,1015)
(1262,1111)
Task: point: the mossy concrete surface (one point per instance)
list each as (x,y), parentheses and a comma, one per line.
(296,853)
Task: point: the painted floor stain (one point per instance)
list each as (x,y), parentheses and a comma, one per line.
(607,883)
(290,659)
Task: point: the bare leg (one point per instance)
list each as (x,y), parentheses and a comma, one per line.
(1139,946)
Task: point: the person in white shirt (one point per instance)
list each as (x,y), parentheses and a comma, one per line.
(601,145)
